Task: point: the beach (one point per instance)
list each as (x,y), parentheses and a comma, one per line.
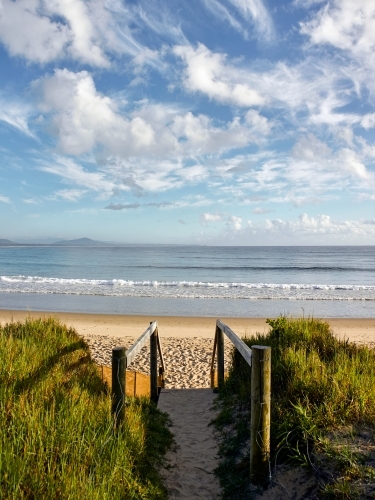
(121,325)
(187,341)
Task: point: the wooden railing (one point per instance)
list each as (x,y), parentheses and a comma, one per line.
(259,359)
(121,359)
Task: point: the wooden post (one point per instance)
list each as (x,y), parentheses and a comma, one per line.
(260,414)
(220,356)
(154,365)
(118,384)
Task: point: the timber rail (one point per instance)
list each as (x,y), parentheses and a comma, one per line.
(259,359)
(121,359)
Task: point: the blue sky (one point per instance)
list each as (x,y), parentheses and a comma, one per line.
(235,122)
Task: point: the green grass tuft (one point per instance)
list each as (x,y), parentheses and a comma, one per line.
(319,385)
(57,438)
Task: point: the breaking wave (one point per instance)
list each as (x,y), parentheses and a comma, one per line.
(186,289)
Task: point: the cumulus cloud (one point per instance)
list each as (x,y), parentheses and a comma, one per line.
(208,73)
(83,118)
(55,29)
(207,217)
(345,24)
(234,222)
(322,224)
(306,229)
(319,92)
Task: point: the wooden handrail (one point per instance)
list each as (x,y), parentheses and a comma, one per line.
(140,342)
(259,358)
(236,341)
(121,359)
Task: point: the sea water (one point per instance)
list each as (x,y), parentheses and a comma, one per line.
(190,280)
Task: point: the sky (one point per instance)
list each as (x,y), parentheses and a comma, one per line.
(214,122)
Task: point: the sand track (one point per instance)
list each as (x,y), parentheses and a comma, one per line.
(192,464)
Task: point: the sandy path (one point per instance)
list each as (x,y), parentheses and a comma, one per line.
(192,464)
(187,360)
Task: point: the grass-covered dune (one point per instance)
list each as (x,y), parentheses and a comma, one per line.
(322,411)
(57,438)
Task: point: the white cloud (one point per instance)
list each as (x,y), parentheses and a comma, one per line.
(220,11)
(74,173)
(368,121)
(317,91)
(207,217)
(310,148)
(351,162)
(30,201)
(16,114)
(207,72)
(89,32)
(348,25)
(234,222)
(4,199)
(322,225)
(306,4)
(261,211)
(83,119)
(70,194)
(46,37)
(255,11)
(321,229)
(345,24)
(311,173)
(259,123)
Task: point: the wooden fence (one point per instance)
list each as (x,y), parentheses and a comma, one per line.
(259,359)
(121,359)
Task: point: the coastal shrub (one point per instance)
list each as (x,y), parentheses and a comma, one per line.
(319,383)
(57,438)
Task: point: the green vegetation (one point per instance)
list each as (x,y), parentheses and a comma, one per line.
(323,410)
(56,436)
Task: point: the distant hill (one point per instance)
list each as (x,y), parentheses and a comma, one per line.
(7,242)
(80,242)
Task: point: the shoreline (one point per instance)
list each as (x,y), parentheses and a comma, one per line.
(120,325)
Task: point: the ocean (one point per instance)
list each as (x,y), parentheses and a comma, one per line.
(176,280)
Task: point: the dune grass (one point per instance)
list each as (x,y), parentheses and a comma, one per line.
(323,397)
(56,436)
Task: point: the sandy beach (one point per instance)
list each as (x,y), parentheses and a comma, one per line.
(187,342)
(113,325)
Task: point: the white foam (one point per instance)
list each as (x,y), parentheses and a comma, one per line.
(186,289)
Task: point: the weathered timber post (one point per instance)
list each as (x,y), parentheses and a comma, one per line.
(260,414)
(154,365)
(118,384)
(220,356)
